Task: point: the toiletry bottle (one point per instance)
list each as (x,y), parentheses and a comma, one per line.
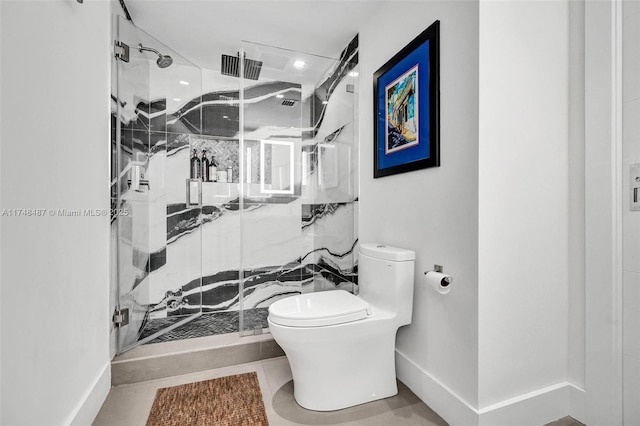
(213,169)
(205,166)
(195,165)
(229,174)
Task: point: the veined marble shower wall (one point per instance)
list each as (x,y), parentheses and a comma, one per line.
(283,223)
(150,107)
(299,233)
(294,214)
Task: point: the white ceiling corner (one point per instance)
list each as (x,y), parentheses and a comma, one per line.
(201,30)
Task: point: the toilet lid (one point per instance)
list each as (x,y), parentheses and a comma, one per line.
(318,309)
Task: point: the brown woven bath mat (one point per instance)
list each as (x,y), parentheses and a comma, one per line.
(226,401)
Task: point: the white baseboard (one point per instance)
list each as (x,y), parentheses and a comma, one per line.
(87,408)
(435,394)
(578,404)
(532,409)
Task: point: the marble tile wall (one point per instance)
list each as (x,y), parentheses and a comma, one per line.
(183,259)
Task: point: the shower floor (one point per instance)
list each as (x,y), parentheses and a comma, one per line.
(209,324)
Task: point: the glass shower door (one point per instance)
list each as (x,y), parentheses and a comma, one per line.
(156,232)
(297,168)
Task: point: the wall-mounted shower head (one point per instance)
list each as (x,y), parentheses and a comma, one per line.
(163,60)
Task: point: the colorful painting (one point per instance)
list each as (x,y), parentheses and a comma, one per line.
(402,112)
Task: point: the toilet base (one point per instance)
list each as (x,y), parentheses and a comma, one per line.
(303,400)
(340,366)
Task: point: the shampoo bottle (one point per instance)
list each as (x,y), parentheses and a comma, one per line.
(205,166)
(195,165)
(213,169)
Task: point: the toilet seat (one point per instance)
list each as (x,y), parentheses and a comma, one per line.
(318,309)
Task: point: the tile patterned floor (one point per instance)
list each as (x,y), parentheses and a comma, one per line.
(130,404)
(208,324)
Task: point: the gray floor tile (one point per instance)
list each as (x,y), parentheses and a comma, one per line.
(129,405)
(126,405)
(402,409)
(565,421)
(277,372)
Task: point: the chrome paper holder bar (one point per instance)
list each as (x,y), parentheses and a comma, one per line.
(440,268)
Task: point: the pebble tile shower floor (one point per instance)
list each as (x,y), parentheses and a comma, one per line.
(209,324)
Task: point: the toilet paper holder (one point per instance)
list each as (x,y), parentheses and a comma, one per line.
(446,280)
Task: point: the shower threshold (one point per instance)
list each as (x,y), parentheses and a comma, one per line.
(209,324)
(173,358)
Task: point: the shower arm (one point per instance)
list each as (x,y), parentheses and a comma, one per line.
(148,49)
(163,60)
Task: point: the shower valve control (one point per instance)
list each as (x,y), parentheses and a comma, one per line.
(635,186)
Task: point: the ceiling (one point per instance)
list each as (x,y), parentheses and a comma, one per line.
(201,30)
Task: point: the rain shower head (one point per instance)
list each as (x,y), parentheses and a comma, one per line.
(231,66)
(163,60)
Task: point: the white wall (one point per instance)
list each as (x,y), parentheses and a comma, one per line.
(55,146)
(432,211)
(495,214)
(1,204)
(523,208)
(603,297)
(576,343)
(630,219)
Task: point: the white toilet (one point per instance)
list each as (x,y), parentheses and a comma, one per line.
(341,347)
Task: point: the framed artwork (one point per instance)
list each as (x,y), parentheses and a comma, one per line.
(406,93)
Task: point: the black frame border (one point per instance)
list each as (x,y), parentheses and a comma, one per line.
(432,33)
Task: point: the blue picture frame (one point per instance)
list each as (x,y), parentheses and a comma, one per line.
(406,92)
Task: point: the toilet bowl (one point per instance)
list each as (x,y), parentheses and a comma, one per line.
(341,347)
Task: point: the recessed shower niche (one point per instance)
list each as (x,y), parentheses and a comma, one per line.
(280,220)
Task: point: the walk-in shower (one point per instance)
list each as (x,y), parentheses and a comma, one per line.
(248,198)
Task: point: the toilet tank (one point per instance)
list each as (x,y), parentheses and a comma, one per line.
(385,279)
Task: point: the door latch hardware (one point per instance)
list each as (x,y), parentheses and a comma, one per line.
(635,187)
